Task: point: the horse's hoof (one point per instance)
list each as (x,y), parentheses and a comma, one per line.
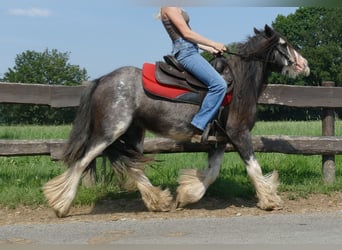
(271,206)
(60,214)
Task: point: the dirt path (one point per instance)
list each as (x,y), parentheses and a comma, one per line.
(123,209)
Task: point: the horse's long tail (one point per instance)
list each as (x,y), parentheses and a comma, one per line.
(79,135)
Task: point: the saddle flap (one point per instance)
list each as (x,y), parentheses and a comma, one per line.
(163,68)
(171,74)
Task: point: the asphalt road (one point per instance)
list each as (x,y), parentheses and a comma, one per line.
(318,228)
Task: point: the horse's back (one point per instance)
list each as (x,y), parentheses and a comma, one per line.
(121,98)
(125,74)
(119,85)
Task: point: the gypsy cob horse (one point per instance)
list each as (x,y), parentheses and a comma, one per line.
(115,110)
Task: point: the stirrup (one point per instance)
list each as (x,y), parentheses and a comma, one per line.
(205,138)
(218,134)
(199,139)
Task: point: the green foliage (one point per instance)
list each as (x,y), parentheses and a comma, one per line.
(283,113)
(21,178)
(48,67)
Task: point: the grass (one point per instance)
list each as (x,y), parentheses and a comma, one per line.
(21,178)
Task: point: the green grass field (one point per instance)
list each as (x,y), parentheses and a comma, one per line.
(21,178)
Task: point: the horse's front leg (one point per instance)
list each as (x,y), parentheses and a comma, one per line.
(193,183)
(265,186)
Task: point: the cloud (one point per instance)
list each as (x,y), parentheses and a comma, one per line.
(158,3)
(32,12)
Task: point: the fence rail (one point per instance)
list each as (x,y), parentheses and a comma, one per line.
(58,96)
(268,144)
(326,97)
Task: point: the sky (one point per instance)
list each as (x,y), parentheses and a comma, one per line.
(102,35)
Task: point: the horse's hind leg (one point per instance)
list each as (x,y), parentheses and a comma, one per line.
(155,199)
(126,156)
(61,191)
(193,183)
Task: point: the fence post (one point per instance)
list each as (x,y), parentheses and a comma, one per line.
(328,129)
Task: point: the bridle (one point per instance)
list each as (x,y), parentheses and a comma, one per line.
(274,47)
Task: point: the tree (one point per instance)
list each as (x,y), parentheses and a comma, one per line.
(48,67)
(317,32)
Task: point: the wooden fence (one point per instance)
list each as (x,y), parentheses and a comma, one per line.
(326,97)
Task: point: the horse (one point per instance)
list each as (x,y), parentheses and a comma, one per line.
(115,112)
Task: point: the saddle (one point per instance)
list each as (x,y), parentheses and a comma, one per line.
(172,73)
(168,80)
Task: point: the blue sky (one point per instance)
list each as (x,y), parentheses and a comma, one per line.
(102,35)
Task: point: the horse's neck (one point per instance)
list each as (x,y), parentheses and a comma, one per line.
(249,76)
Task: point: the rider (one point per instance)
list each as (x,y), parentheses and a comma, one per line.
(186,43)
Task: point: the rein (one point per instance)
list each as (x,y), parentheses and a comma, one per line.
(265,57)
(246,57)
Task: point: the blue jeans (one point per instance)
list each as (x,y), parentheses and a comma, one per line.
(188,56)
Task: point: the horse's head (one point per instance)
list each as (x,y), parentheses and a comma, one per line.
(282,57)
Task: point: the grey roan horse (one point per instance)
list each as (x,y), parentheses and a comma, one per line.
(115,111)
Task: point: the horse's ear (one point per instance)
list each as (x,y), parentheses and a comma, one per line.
(256,31)
(268,30)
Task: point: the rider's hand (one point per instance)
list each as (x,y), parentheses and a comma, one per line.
(219,47)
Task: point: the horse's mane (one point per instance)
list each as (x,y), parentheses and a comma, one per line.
(248,67)
(257,45)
